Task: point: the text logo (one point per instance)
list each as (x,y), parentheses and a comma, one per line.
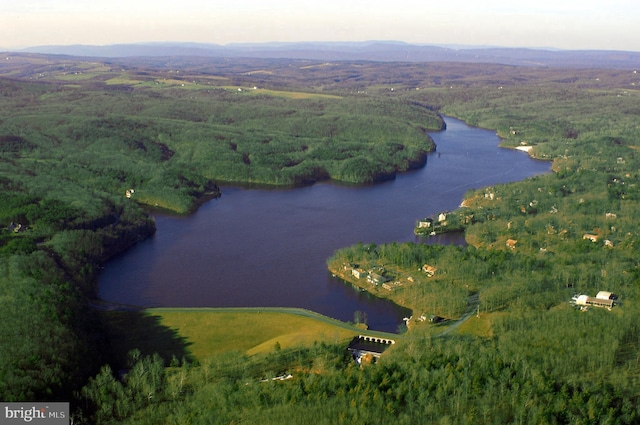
(37,413)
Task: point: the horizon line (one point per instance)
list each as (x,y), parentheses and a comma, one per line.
(452,46)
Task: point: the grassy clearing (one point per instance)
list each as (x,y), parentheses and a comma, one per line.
(322,65)
(478,326)
(78,76)
(123,80)
(212,331)
(280,93)
(171,82)
(295,95)
(203,333)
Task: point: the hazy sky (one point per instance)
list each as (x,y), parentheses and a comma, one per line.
(584,24)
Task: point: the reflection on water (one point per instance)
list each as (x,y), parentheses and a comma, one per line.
(259,247)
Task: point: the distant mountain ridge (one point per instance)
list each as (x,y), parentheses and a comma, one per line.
(385,51)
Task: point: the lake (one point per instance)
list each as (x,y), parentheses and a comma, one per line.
(268,247)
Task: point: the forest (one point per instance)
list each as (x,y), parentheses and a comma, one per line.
(87,147)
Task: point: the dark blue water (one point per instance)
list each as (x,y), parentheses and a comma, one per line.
(257,247)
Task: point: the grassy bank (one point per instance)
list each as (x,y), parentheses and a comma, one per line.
(201,333)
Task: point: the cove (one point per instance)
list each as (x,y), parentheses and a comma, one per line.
(268,247)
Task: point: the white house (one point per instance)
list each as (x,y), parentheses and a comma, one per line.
(359,273)
(425,223)
(586,301)
(376,279)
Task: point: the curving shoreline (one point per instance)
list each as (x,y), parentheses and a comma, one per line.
(365,212)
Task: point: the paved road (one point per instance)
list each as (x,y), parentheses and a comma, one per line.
(474,301)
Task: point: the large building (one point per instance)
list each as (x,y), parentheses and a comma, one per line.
(585,301)
(363,346)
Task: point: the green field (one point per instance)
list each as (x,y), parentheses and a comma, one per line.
(251,331)
(200,333)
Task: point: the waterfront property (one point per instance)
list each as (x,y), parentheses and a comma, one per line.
(429,270)
(358,273)
(376,279)
(425,223)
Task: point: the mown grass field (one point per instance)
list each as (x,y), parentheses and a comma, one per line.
(202,333)
(294,94)
(481,325)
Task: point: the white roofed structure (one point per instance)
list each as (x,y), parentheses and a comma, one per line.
(604,295)
(587,301)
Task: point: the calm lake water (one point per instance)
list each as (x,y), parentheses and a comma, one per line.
(257,247)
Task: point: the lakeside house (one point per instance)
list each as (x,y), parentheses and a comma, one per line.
(358,273)
(371,277)
(376,279)
(425,223)
(429,270)
(524,148)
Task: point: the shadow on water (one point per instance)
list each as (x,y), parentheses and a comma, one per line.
(137,329)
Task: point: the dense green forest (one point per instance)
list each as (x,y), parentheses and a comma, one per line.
(83,145)
(79,156)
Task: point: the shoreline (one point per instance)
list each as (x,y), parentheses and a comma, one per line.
(378,292)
